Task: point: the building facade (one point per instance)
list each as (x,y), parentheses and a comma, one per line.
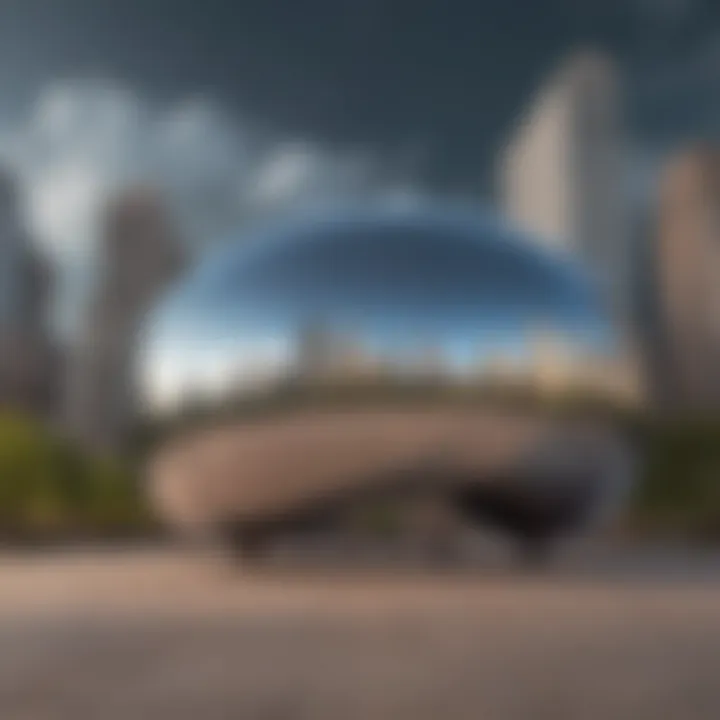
(29,361)
(140,254)
(561,174)
(687,280)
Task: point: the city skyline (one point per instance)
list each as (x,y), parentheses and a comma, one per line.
(285,182)
(541,356)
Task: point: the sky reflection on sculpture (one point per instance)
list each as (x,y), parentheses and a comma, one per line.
(397,282)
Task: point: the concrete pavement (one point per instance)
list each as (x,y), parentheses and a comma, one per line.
(168,635)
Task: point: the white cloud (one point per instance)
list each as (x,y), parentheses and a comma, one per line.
(285,173)
(212,371)
(82,141)
(294,172)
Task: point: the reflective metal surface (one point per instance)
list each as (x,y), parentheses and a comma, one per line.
(376,349)
(384,296)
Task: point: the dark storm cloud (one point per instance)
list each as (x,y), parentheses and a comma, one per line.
(448,76)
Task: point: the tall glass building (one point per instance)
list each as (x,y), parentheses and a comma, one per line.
(28,363)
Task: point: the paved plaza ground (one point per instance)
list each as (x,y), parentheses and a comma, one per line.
(169,634)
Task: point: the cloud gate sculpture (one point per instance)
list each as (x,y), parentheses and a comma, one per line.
(347,359)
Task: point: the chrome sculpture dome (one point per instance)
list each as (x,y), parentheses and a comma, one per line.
(364,352)
(379,294)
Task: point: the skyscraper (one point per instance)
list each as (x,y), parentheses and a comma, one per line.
(13,256)
(139,255)
(24,277)
(687,280)
(561,173)
(29,370)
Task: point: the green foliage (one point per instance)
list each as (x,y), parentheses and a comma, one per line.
(49,488)
(679,492)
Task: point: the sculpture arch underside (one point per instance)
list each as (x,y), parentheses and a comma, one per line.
(531,475)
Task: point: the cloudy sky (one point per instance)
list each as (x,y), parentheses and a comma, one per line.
(82,140)
(240,106)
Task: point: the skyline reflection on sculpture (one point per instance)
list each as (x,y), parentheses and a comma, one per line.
(423,294)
